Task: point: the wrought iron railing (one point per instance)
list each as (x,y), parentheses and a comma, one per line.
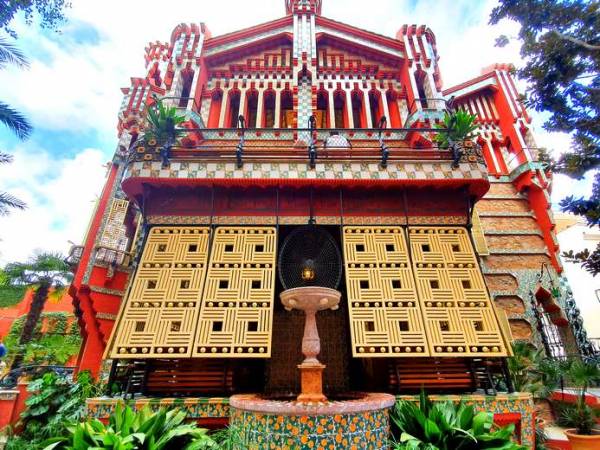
(112,257)
(75,255)
(10,379)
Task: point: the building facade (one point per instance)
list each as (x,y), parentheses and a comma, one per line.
(302,124)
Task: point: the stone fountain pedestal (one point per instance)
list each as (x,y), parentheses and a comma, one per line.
(311,299)
(311,421)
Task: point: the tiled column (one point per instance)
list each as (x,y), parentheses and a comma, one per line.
(259,108)
(277,123)
(349,108)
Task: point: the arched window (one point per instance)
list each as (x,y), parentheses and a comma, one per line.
(421,91)
(233,109)
(214,113)
(394,110)
(269,109)
(322,107)
(339,107)
(358,115)
(251,109)
(376,107)
(187,77)
(287,110)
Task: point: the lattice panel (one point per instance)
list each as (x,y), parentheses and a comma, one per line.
(385,316)
(161,312)
(237,310)
(459,316)
(114,234)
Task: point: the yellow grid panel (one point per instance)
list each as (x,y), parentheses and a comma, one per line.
(114,235)
(385,316)
(161,311)
(459,317)
(236,318)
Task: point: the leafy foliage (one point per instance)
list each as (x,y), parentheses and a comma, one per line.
(54,403)
(581,376)
(11,295)
(50,12)
(55,346)
(460,125)
(8,201)
(448,426)
(162,121)
(531,371)
(561,48)
(129,430)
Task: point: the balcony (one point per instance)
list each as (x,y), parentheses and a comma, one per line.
(109,257)
(74,257)
(303,155)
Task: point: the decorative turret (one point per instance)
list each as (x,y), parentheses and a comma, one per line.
(301,6)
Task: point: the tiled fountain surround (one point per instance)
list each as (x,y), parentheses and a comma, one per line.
(349,424)
(515,408)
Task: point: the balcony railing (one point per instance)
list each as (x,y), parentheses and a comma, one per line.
(112,257)
(75,255)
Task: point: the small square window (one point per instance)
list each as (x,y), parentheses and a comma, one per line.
(403,325)
(140,326)
(192,248)
(223,284)
(390,248)
(176,326)
(478,325)
(455,248)
(162,248)
(396,284)
(229,248)
(364,284)
(184,284)
(151,284)
(360,247)
(256,284)
(466,284)
(217,326)
(425,247)
(259,248)
(444,326)
(369,326)
(253,326)
(435,284)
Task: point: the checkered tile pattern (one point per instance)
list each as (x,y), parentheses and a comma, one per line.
(304,103)
(205,109)
(330,171)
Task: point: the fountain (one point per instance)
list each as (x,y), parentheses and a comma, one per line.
(310,270)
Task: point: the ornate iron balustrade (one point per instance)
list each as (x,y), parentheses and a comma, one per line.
(112,257)
(10,379)
(75,255)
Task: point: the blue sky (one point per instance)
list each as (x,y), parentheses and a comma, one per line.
(72,92)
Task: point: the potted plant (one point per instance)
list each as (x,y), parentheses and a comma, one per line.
(458,131)
(585,434)
(162,123)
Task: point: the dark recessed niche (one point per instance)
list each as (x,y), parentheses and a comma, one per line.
(176,326)
(140,326)
(435,284)
(256,284)
(390,248)
(184,284)
(364,284)
(466,284)
(229,248)
(360,247)
(396,284)
(253,326)
(425,247)
(404,326)
(192,248)
(217,326)
(223,284)
(151,284)
(259,248)
(369,326)
(456,248)
(162,248)
(444,326)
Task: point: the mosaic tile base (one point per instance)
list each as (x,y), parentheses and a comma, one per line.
(365,430)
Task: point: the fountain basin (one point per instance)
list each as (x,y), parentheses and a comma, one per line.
(357,423)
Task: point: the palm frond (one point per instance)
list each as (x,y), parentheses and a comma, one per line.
(8,202)
(10,54)
(5,158)
(15,121)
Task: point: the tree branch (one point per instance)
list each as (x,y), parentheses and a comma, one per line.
(574,40)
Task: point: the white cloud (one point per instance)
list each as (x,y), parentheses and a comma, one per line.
(74,85)
(60,194)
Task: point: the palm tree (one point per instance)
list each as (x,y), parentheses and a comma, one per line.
(14,120)
(43,273)
(8,201)
(162,125)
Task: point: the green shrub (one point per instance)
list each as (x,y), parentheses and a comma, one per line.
(135,430)
(447,426)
